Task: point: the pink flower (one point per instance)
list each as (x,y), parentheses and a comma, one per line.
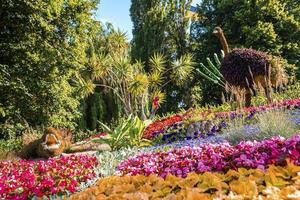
(24,179)
(213,157)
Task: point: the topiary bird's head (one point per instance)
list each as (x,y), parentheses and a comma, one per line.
(218,31)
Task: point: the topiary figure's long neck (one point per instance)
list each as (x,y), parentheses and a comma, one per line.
(224,43)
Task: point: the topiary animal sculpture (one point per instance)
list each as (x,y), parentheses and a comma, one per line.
(248,68)
(53,143)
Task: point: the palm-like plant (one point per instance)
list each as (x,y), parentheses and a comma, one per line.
(140,92)
(182,69)
(137,89)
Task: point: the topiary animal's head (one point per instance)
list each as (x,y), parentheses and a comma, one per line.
(54,142)
(220,34)
(218,31)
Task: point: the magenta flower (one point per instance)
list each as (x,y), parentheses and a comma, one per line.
(25,179)
(214,157)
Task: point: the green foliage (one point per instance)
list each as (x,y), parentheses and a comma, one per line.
(10,131)
(291,91)
(133,86)
(10,145)
(212,71)
(42,51)
(78,136)
(128,134)
(162,27)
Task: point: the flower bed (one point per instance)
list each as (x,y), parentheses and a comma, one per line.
(56,176)
(274,183)
(214,157)
(160,126)
(168,127)
(99,135)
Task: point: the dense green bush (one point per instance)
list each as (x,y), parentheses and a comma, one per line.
(42,52)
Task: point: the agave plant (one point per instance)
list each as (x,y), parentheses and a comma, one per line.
(127,134)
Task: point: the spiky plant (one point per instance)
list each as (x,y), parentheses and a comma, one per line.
(182,69)
(139,91)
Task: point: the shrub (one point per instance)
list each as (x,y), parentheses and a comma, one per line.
(127,134)
(238,130)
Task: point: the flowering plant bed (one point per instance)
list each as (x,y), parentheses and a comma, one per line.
(274,183)
(56,176)
(168,127)
(160,126)
(99,135)
(214,157)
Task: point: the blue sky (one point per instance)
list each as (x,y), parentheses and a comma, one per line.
(117,12)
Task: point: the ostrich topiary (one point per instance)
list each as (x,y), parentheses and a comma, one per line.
(247,68)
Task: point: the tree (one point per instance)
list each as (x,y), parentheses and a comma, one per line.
(161,26)
(138,91)
(42,51)
(266,25)
(101,105)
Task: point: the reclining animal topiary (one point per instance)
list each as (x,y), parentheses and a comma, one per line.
(53,143)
